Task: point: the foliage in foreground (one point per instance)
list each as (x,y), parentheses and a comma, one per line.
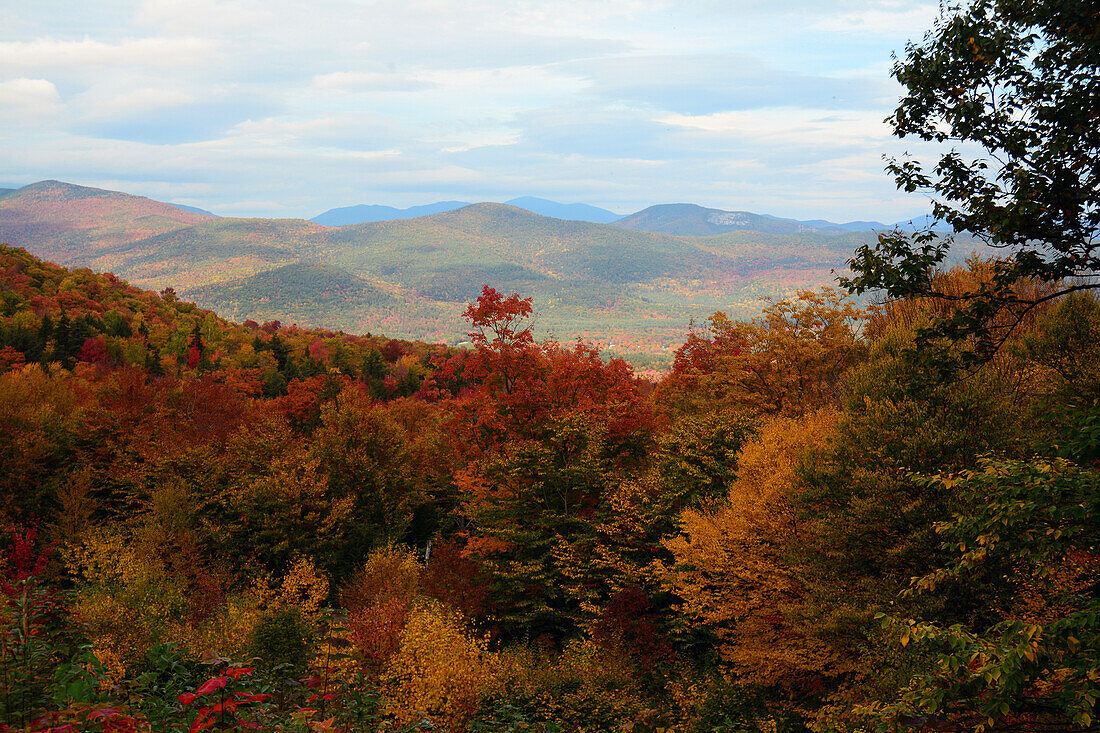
(536,540)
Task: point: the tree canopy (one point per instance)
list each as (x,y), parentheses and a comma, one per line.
(1014,87)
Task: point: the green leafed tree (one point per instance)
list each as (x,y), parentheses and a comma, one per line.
(1027,544)
(1014,87)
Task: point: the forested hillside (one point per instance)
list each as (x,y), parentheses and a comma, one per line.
(76,224)
(220,526)
(635,289)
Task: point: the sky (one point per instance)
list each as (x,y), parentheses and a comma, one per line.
(287,108)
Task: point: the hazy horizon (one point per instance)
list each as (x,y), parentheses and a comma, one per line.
(285,109)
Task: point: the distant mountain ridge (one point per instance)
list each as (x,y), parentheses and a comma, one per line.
(924,222)
(364,213)
(677,219)
(195,209)
(689,220)
(571,212)
(413,277)
(692,220)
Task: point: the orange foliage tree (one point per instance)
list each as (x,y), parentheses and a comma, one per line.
(787,360)
(732,570)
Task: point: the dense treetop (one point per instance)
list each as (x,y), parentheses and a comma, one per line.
(525,532)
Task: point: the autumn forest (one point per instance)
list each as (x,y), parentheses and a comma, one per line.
(222,525)
(870,508)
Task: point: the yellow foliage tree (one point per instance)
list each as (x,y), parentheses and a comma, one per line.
(290,510)
(225,633)
(304,588)
(440,671)
(390,572)
(127,600)
(38,414)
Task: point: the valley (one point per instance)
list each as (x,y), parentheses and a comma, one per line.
(615,284)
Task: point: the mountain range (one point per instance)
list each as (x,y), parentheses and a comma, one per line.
(697,221)
(412,277)
(364,213)
(678,219)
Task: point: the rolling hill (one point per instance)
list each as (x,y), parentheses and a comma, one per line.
(413,277)
(71,224)
(212,251)
(491,235)
(301,292)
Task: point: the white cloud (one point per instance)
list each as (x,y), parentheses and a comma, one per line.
(296,106)
(511,80)
(21,98)
(481,139)
(787,126)
(353,130)
(92,54)
(359,155)
(563,17)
